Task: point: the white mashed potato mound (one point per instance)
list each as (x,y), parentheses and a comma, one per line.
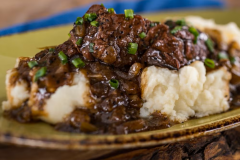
(58,106)
(66,99)
(16,93)
(186,93)
(224,33)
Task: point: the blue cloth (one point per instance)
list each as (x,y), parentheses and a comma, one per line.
(139,6)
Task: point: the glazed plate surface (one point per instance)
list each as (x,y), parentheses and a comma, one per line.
(43,135)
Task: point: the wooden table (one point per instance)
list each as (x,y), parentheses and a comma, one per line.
(221,146)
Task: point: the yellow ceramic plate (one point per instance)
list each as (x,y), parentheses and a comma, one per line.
(44,135)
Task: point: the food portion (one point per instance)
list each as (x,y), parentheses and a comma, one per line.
(122,73)
(185,93)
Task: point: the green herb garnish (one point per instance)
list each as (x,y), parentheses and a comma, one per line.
(94,23)
(40,73)
(79,21)
(194,32)
(128,13)
(111,10)
(79,41)
(114,83)
(142,35)
(90,17)
(62,56)
(176,29)
(78,63)
(209,44)
(91,47)
(32,64)
(209,63)
(132,48)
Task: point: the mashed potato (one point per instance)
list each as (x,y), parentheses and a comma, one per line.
(66,99)
(189,92)
(58,106)
(16,93)
(224,34)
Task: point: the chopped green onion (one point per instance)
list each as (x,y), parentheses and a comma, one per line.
(69,35)
(232,60)
(102,4)
(63,57)
(114,83)
(209,44)
(128,13)
(152,24)
(77,62)
(51,49)
(142,35)
(79,41)
(94,23)
(194,32)
(169,23)
(79,21)
(181,22)
(132,48)
(222,55)
(40,73)
(90,16)
(210,63)
(111,10)
(176,29)
(32,64)
(91,47)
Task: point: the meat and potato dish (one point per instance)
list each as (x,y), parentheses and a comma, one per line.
(122,73)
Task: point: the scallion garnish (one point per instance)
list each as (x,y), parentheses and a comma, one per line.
(91,47)
(142,35)
(114,83)
(40,73)
(79,41)
(222,55)
(169,23)
(181,22)
(62,57)
(209,44)
(32,64)
(128,13)
(94,23)
(232,60)
(79,21)
(194,32)
(51,49)
(102,4)
(176,29)
(69,35)
(90,17)
(78,63)
(132,48)
(209,63)
(152,24)
(111,10)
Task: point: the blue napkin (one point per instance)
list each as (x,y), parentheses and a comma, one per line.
(145,6)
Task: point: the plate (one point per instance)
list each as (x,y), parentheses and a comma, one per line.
(43,135)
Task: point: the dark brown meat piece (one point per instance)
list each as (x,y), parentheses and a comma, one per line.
(114,33)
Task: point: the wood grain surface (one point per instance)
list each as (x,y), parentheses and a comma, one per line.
(219,146)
